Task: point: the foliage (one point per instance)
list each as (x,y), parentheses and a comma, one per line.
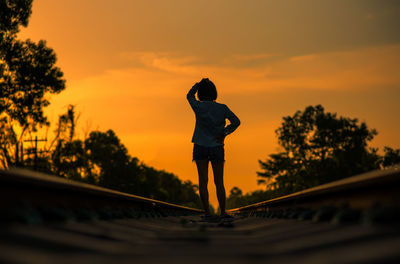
(237,199)
(27,74)
(391,157)
(319,147)
(102,159)
(118,170)
(14,14)
(165,186)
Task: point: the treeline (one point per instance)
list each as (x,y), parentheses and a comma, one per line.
(28,74)
(317,147)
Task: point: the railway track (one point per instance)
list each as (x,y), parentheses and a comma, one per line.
(46,219)
(369,197)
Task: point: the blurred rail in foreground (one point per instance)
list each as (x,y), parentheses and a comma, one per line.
(46,219)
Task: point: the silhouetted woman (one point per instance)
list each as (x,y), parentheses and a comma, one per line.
(208,138)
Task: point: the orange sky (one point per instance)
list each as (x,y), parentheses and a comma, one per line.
(129,65)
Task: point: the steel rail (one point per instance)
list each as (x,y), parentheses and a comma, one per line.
(27,195)
(360,192)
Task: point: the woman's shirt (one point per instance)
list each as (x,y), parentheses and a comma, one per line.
(210,121)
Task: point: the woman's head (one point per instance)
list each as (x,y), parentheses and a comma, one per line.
(207,90)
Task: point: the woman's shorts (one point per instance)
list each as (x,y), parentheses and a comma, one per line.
(216,153)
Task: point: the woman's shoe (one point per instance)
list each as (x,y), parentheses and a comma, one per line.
(226,217)
(209,218)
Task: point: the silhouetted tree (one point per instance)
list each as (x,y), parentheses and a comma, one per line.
(118,170)
(13,14)
(27,74)
(318,147)
(237,199)
(70,160)
(161,185)
(69,157)
(234,195)
(235,191)
(391,157)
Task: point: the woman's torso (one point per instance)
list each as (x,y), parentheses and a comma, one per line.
(210,123)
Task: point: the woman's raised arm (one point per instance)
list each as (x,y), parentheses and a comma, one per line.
(191,97)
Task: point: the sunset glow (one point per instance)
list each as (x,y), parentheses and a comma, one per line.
(129,65)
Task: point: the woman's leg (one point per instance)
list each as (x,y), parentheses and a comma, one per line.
(202,169)
(218,169)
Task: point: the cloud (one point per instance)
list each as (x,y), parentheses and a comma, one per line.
(164,61)
(361,69)
(246,57)
(303,58)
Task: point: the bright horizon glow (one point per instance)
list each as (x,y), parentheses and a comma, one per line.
(129,65)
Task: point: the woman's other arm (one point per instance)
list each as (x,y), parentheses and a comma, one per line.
(235,122)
